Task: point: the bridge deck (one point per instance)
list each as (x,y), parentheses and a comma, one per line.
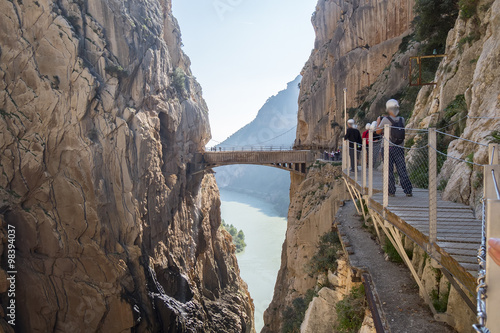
(458,230)
(291,160)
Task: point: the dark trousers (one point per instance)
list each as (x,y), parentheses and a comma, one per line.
(397,157)
(352,151)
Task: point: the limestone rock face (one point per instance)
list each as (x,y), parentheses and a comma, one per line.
(313,206)
(355,41)
(470,69)
(99,117)
(320,316)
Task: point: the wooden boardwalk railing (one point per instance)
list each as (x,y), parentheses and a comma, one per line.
(449,232)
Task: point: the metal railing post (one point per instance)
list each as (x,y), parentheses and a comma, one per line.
(355,162)
(492,199)
(370,164)
(344,160)
(432,189)
(348,157)
(363,166)
(387,136)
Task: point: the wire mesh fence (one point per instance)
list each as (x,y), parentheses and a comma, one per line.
(447,175)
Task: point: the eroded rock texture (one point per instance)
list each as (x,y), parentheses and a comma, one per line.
(355,41)
(99,117)
(471,69)
(313,205)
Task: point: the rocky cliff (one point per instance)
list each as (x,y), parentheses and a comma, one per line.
(470,73)
(355,50)
(313,206)
(100,116)
(365,46)
(355,42)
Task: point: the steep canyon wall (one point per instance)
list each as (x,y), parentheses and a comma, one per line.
(313,205)
(359,47)
(99,117)
(355,41)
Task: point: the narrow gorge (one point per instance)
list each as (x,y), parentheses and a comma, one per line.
(100,120)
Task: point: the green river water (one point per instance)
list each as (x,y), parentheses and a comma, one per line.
(264,234)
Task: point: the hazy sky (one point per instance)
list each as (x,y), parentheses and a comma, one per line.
(243,52)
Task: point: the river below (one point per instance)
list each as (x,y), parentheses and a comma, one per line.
(264,235)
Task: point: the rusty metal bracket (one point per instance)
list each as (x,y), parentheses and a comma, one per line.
(419,63)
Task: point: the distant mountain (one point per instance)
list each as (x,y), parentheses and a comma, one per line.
(275,126)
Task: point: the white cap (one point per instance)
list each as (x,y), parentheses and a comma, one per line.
(392,104)
(367,127)
(350,121)
(392,107)
(374,126)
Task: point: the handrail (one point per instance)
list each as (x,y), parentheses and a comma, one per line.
(248,148)
(436,160)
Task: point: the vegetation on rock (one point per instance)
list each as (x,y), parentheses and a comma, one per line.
(439,298)
(351,311)
(179,81)
(454,119)
(494,137)
(238,236)
(117,71)
(294,315)
(326,257)
(433,22)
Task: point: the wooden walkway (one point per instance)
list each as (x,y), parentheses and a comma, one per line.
(458,231)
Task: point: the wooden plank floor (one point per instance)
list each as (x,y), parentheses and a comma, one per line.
(458,230)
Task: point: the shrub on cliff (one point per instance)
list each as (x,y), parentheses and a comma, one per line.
(326,257)
(433,22)
(294,315)
(238,236)
(179,81)
(351,311)
(468,8)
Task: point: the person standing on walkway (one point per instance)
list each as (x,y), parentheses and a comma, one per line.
(396,150)
(354,138)
(366,136)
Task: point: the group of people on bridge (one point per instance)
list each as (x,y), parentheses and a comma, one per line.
(333,155)
(396,150)
(396,154)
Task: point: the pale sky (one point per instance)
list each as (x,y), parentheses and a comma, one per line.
(243,52)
